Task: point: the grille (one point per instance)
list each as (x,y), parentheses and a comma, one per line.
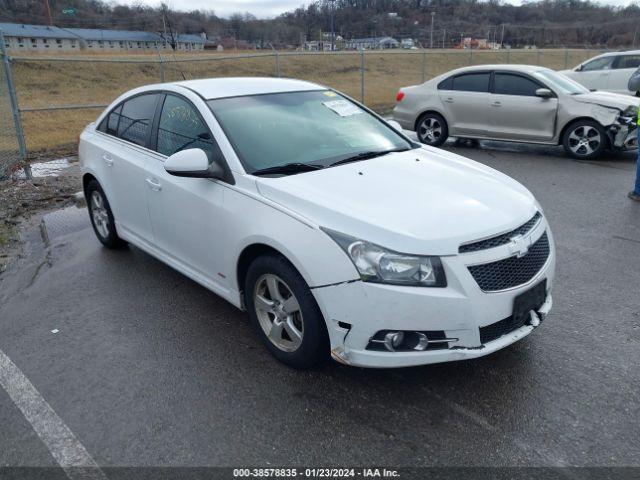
(498,329)
(500,239)
(512,271)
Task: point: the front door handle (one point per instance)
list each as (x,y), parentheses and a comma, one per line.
(448,100)
(108,160)
(154,184)
(496,104)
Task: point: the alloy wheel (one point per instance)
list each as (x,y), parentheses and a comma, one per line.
(99,214)
(584,140)
(430,129)
(278,312)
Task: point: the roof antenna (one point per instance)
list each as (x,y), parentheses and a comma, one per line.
(172,38)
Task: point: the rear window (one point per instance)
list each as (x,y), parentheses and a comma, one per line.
(446,84)
(626,61)
(472,82)
(136,117)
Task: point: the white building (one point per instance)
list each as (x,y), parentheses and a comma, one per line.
(42,38)
(372,43)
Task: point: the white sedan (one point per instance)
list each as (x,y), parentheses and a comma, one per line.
(338,234)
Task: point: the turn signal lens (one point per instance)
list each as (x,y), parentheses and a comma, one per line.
(399,96)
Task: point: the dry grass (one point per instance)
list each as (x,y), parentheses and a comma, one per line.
(43,82)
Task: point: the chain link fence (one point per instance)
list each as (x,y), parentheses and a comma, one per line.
(57,97)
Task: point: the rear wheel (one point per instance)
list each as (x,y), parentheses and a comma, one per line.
(101,216)
(432,129)
(284,313)
(584,139)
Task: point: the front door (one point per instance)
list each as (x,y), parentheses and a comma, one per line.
(516,113)
(186,213)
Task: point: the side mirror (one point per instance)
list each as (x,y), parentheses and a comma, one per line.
(544,93)
(578,68)
(194,163)
(395,125)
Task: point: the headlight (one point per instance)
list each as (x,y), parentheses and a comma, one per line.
(377,264)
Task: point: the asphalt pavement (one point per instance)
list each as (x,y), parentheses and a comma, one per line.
(147,368)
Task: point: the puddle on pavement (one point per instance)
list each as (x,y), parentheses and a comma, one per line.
(52,168)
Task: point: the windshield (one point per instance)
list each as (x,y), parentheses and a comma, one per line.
(315,127)
(558,81)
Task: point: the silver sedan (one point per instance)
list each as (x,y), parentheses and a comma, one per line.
(518,103)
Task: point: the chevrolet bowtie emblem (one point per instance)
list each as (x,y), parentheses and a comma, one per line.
(519,245)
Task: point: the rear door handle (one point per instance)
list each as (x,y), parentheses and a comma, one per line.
(154,184)
(108,160)
(496,104)
(449,100)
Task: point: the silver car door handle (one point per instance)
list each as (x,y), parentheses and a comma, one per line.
(154,185)
(108,160)
(448,100)
(496,104)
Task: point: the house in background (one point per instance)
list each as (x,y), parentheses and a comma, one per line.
(38,38)
(371,43)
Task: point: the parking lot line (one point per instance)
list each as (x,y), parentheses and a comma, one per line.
(63,445)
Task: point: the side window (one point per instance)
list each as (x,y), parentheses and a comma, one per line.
(181,127)
(509,84)
(472,82)
(603,63)
(626,61)
(446,84)
(136,118)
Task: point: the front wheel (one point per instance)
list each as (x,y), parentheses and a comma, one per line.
(584,139)
(284,313)
(432,129)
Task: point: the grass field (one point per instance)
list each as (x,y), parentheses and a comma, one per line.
(43,82)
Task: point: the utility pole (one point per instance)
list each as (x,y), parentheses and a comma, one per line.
(502,37)
(635,34)
(48,11)
(332,6)
(444,36)
(433,14)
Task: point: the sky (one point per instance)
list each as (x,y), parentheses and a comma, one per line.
(268,8)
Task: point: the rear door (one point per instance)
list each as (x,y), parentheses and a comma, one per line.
(622,69)
(465,98)
(127,133)
(516,113)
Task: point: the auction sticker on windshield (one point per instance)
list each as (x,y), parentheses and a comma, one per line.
(343,108)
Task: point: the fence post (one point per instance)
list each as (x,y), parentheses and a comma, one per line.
(508,55)
(277,64)
(161,67)
(22,148)
(538,57)
(470,55)
(362,76)
(424,66)
(566,58)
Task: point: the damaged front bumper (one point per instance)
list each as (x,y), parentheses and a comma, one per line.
(623,136)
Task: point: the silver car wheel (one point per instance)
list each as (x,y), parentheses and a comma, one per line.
(430,130)
(99,214)
(584,140)
(278,312)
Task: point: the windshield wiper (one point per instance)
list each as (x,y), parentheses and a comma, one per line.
(367,156)
(288,168)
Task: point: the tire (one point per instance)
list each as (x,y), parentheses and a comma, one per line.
(101,216)
(584,139)
(294,331)
(432,129)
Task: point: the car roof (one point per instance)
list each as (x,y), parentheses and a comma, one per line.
(212,88)
(499,67)
(620,52)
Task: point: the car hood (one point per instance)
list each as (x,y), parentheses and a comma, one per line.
(607,99)
(423,201)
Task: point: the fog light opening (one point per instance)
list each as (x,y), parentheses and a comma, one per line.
(393,340)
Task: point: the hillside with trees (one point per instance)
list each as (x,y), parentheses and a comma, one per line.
(545,23)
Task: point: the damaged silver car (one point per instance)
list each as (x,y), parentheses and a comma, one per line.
(518,103)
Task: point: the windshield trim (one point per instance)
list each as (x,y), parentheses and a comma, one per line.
(411,144)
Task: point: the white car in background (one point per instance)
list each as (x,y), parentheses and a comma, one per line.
(609,72)
(337,233)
